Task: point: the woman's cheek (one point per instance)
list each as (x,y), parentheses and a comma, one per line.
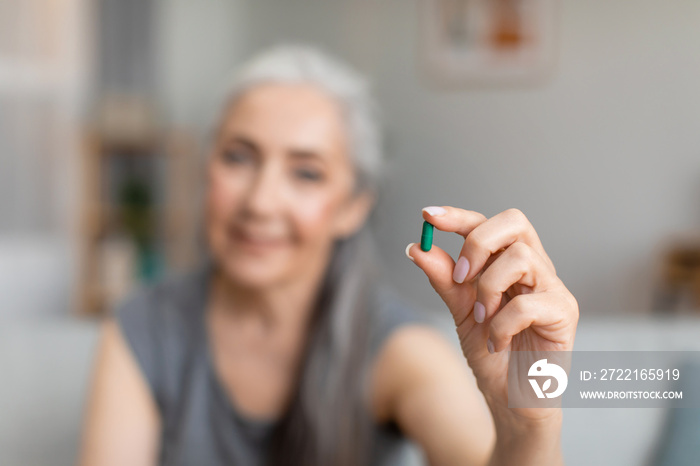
(224,193)
(220,202)
(314,220)
(215,222)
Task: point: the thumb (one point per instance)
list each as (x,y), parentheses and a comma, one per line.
(438,266)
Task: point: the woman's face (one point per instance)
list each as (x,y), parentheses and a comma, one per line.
(280,185)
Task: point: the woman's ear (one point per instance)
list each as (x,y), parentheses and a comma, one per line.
(354,213)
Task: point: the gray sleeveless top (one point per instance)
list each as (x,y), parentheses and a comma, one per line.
(163,325)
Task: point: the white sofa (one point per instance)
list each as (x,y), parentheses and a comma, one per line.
(45,366)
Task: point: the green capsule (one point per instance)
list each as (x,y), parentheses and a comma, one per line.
(426,238)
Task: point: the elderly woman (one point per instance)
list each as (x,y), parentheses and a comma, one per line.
(282,349)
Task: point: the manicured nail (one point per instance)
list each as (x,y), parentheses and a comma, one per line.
(479,312)
(461,270)
(434,210)
(489,346)
(407,248)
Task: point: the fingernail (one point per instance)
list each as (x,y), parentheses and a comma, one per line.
(461,270)
(479,312)
(407,248)
(434,210)
(489,346)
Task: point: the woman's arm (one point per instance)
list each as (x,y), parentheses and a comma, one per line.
(122,421)
(528,442)
(422,383)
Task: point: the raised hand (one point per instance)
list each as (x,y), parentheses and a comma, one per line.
(503,292)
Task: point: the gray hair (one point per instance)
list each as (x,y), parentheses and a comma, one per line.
(302,64)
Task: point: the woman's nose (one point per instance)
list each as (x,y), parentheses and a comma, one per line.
(263,196)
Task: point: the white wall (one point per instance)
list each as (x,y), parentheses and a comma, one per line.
(199,45)
(604,158)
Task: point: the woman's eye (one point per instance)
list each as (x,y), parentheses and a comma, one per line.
(236,156)
(308,174)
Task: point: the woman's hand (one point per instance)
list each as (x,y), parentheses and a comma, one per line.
(503,293)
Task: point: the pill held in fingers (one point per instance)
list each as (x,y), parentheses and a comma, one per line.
(426,237)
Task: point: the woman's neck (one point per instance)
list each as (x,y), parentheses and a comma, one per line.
(287,305)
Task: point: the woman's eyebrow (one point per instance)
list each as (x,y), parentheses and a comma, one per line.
(242,140)
(306,154)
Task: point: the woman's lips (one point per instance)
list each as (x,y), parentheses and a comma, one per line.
(256,242)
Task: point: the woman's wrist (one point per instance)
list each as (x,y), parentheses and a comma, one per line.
(525,440)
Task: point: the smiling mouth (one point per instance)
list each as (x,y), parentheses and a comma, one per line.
(253,241)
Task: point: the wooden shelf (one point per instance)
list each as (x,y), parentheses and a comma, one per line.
(104,240)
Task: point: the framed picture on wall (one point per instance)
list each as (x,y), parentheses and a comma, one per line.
(486,42)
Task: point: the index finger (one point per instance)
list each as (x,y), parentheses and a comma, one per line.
(453,219)
(500,231)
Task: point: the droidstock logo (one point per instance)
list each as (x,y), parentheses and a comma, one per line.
(542,368)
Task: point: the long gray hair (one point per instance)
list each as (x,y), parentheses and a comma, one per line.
(328,421)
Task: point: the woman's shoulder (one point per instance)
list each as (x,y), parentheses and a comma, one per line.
(160,320)
(171,297)
(413,348)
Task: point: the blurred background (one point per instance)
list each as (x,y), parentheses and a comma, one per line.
(584,115)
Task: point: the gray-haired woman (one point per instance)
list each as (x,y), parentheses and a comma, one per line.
(281,349)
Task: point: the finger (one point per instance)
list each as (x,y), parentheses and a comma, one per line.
(492,258)
(518,264)
(542,310)
(453,219)
(437,266)
(500,231)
